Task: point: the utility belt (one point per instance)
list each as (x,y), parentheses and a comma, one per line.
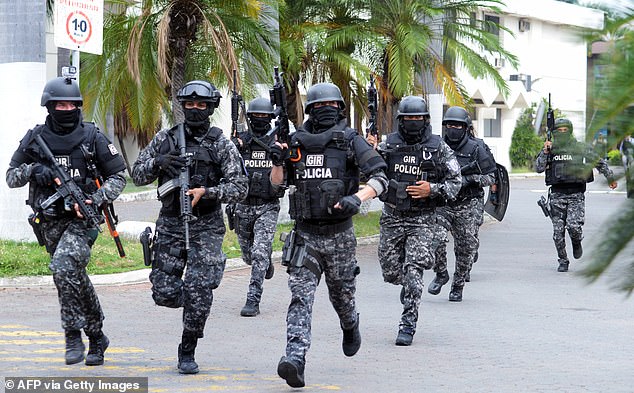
(402,213)
(258,201)
(568,188)
(324,228)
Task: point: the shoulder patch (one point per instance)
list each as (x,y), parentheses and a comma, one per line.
(113,150)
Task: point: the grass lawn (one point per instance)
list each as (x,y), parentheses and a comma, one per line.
(29,259)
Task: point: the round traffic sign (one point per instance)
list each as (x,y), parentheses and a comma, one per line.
(78,27)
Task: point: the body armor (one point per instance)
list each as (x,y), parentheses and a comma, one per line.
(474,158)
(258,163)
(408,164)
(567,165)
(322,171)
(205,171)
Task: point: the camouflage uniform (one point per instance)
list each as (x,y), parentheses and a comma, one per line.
(256,216)
(325,240)
(203,265)
(68,239)
(408,235)
(568,185)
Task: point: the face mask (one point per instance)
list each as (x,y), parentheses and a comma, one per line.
(411,130)
(562,137)
(324,117)
(454,135)
(65,120)
(197,117)
(260,125)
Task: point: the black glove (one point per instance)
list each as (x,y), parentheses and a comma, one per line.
(42,175)
(170,163)
(278,155)
(350,205)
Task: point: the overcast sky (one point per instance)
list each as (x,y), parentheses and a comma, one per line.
(619,5)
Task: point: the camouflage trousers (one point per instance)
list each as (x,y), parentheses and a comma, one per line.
(406,247)
(567,212)
(339,266)
(70,240)
(463,220)
(256,229)
(187,279)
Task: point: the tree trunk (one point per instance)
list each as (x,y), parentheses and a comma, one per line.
(293,100)
(178,79)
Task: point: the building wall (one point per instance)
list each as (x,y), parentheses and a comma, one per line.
(554,55)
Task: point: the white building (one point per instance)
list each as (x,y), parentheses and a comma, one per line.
(552,59)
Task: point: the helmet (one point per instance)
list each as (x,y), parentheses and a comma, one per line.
(323,92)
(199,91)
(563,122)
(260,105)
(61,89)
(412,106)
(457,114)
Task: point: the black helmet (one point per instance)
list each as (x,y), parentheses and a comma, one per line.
(412,106)
(260,105)
(61,89)
(457,114)
(563,122)
(199,91)
(323,92)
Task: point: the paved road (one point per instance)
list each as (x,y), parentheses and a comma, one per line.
(522,327)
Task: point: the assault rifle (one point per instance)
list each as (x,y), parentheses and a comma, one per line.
(235,106)
(67,189)
(107,208)
(372,107)
(278,99)
(550,120)
(183,183)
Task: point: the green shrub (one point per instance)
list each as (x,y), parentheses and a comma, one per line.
(525,145)
(614,157)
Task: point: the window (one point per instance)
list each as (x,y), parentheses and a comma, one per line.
(493,127)
(491,23)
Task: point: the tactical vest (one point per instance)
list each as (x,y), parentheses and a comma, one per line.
(66,149)
(469,159)
(258,164)
(407,164)
(323,171)
(205,171)
(567,165)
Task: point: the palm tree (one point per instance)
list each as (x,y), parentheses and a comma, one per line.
(615,105)
(407,33)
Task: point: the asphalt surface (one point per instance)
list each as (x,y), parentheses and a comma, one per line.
(522,327)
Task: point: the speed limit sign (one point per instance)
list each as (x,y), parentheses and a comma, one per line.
(79,25)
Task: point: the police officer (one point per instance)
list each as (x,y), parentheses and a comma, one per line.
(323,175)
(256,216)
(568,165)
(67,236)
(423,173)
(216,176)
(463,215)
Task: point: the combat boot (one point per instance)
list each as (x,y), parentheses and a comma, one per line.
(186,349)
(351,339)
(563,266)
(74,347)
(404,338)
(441,279)
(250,309)
(97,345)
(456,294)
(577,251)
(292,371)
(270,271)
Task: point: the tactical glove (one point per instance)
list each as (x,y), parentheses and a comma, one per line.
(350,205)
(170,163)
(42,175)
(278,155)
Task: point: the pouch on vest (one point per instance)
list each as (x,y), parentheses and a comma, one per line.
(332,191)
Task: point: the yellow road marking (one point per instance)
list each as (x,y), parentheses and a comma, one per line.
(13,327)
(27,333)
